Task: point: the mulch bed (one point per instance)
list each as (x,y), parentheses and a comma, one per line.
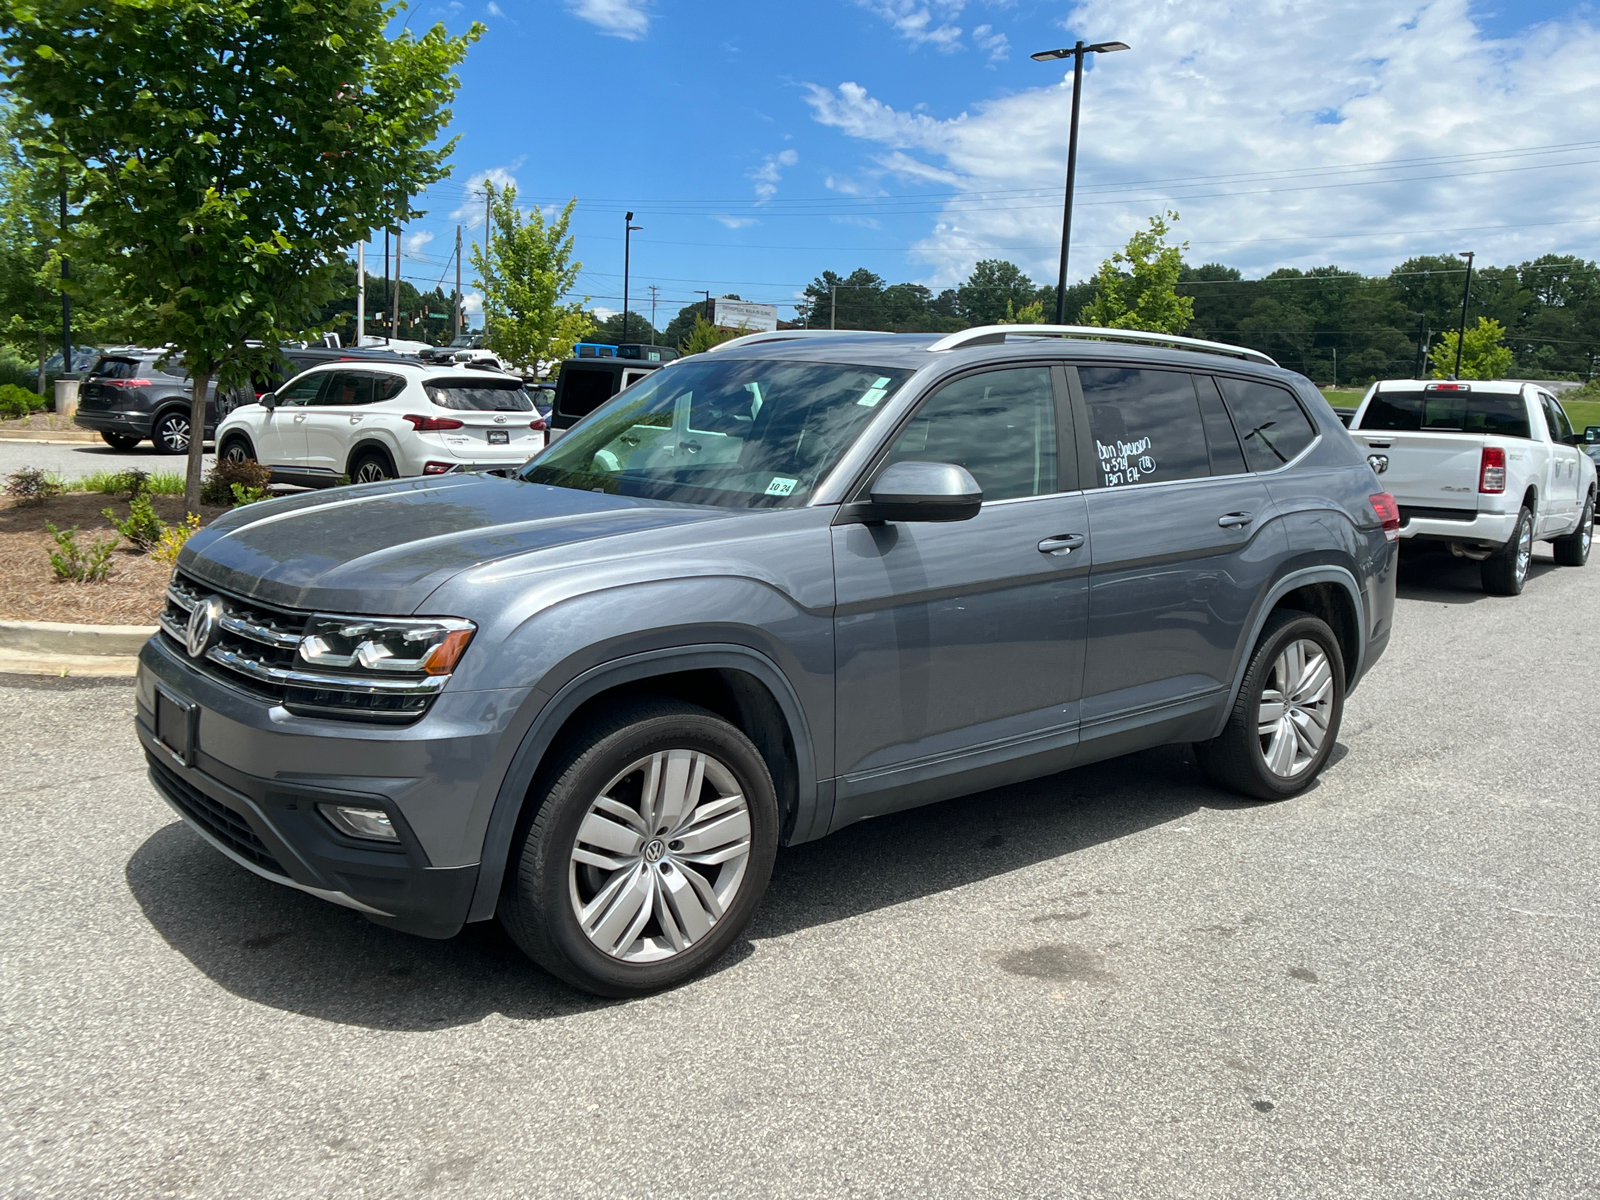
(29,589)
(39,422)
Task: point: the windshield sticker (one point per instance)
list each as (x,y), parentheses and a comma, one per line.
(781,486)
(879,389)
(1116,465)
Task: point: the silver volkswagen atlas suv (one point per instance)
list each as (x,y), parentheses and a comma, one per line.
(764,593)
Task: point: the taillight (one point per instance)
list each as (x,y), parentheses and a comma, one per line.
(126,383)
(1492,471)
(430,424)
(537,423)
(1388,513)
(436,468)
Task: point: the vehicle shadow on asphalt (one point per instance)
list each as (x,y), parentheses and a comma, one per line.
(275,946)
(1430,572)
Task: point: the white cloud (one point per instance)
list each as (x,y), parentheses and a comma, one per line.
(997,44)
(495,10)
(470,211)
(1224,87)
(734,222)
(604,313)
(472,304)
(921,22)
(415,242)
(767,175)
(618,18)
(910,170)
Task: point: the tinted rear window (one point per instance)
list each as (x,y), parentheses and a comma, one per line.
(583,390)
(474,395)
(1272,426)
(1448,412)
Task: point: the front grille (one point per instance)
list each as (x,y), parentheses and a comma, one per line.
(220,821)
(256,651)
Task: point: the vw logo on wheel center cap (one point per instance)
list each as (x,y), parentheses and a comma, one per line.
(654,849)
(204,620)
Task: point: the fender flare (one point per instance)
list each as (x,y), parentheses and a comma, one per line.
(1325,573)
(370,442)
(536,741)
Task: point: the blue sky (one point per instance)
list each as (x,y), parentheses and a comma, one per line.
(759,144)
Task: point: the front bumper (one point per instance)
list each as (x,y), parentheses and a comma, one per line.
(251,775)
(1485,529)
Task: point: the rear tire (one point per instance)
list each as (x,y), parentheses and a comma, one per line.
(1286,719)
(1506,570)
(371,466)
(1573,550)
(118,441)
(612,885)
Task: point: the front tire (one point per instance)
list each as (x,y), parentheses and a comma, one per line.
(236,450)
(1573,550)
(118,441)
(1506,570)
(648,848)
(171,433)
(1286,719)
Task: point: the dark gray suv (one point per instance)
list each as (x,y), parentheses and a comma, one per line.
(764,593)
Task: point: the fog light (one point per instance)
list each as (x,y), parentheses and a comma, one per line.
(371,823)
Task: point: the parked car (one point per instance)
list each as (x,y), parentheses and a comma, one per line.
(371,421)
(129,396)
(584,384)
(770,591)
(1486,467)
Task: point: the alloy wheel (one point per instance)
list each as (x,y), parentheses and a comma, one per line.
(1296,706)
(1588,526)
(174,434)
(660,856)
(371,471)
(236,453)
(1524,550)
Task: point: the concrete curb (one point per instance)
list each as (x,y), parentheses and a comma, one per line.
(79,666)
(34,638)
(63,436)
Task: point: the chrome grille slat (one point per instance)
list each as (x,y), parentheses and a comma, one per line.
(235,661)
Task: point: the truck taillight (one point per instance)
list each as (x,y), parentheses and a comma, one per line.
(1388,511)
(1492,472)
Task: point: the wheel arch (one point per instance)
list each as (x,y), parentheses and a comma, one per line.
(365,444)
(237,435)
(1323,590)
(740,684)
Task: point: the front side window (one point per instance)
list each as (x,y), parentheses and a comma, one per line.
(1272,426)
(303,391)
(1000,425)
(1146,425)
(1556,417)
(747,433)
(479,395)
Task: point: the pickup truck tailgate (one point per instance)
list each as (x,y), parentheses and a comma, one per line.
(1430,470)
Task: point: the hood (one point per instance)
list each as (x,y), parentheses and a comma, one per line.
(386,547)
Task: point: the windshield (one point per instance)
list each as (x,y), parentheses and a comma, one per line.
(480,395)
(752,434)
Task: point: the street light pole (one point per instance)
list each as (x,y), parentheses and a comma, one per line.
(1466,291)
(1076,53)
(628,228)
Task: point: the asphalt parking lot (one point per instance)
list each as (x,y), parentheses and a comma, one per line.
(74,460)
(1114,981)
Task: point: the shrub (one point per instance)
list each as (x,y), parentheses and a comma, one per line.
(248,495)
(19,401)
(218,486)
(32,486)
(75,564)
(172,539)
(164,483)
(143,528)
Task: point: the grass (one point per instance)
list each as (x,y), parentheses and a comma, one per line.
(1582,412)
(1343,397)
(115,483)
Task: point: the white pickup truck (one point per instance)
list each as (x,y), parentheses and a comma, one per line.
(1488,467)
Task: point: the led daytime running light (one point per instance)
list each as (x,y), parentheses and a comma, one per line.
(386,646)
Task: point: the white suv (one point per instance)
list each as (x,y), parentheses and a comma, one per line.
(381,422)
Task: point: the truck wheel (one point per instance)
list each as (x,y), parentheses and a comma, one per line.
(1573,550)
(1506,570)
(649,846)
(1286,718)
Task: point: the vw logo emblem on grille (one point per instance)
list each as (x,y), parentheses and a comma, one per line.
(201,631)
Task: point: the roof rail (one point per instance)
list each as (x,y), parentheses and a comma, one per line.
(987,335)
(789,335)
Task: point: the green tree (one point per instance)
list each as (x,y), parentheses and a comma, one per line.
(994,287)
(227,152)
(610,331)
(1137,287)
(1484,354)
(705,335)
(526,278)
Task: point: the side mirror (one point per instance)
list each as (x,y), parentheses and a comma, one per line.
(268,400)
(923,491)
(1591,433)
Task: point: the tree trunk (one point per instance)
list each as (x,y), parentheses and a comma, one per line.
(197,438)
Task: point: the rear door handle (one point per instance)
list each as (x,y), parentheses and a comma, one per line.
(1234,520)
(1061,545)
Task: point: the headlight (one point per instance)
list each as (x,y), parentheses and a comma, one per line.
(390,646)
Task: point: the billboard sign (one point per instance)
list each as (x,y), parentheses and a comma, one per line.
(755,318)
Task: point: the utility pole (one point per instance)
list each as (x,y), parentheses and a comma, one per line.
(458,281)
(1336,366)
(833,304)
(388,292)
(66,300)
(655,294)
(707,295)
(361,293)
(394,315)
(627,243)
(1466,291)
(488,215)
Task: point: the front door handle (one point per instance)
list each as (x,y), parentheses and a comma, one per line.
(1061,545)
(1234,520)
